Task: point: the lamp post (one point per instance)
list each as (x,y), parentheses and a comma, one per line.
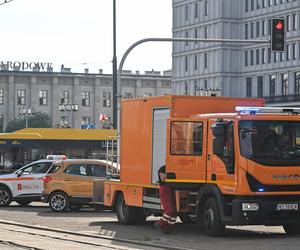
(68,108)
(115,70)
(26,111)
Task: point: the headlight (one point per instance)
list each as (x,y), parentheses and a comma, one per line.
(250,206)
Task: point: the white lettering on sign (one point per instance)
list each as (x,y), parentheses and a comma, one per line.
(287,207)
(7,65)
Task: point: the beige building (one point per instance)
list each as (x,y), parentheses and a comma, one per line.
(48,92)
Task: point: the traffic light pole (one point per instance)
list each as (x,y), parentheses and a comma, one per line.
(118,96)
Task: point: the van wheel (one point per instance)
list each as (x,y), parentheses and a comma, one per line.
(211,219)
(5,197)
(59,202)
(23,203)
(126,214)
(292,229)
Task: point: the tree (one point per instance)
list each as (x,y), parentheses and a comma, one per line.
(38,120)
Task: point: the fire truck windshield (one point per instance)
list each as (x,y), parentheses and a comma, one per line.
(270,143)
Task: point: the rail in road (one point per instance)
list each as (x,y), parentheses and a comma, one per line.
(48,237)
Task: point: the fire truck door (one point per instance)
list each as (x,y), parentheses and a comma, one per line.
(220,156)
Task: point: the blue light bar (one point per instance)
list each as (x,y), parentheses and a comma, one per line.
(261,190)
(247,109)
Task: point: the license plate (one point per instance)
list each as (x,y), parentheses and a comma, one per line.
(287,206)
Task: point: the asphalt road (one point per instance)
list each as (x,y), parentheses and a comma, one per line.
(94,222)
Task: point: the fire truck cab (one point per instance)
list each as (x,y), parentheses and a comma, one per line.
(232,161)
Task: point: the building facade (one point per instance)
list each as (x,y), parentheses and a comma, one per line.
(24,91)
(235,69)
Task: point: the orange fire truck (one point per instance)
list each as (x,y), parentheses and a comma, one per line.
(232,161)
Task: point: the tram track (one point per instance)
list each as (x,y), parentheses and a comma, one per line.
(85,239)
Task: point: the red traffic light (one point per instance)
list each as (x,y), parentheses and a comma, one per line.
(279,25)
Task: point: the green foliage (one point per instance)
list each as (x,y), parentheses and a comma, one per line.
(38,120)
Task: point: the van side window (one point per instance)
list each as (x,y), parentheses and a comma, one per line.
(186,138)
(76,169)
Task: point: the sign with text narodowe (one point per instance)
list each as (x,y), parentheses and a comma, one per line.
(18,65)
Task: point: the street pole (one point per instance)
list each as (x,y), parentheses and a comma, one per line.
(115,71)
(119,83)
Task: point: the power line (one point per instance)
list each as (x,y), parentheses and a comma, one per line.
(6,1)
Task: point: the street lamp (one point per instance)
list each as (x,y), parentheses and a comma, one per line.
(26,111)
(68,108)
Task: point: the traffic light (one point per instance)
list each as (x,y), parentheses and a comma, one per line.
(278,35)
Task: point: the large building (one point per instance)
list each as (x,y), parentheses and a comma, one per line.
(54,93)
(232,69)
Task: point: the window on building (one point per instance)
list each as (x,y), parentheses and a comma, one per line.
(248,87)
(263,52)
(195,62)
(43,97)
(85,98)
(264,3)
(284,84)
(186,138)
(186,89)
(206,8)
(186,63)
(252,30)
(85,120)
(269,26)
(275,2)
(275,57)
(205,32)
(252,5)
(294,21)
(246,5)
(196,10)
(186,36)
(186,12)
(281,56)
(196,35)
(246,58)
(257,29)
(288,52)
(106,99)
(263,28)
(272,85)
(297,83)
(64,97)
(260,86)
(294,52)
(246,30)
(269,3)
(288,23)
(21,97)
(205,61)
(251,57)
(257,56)
(1,96)
(258,4)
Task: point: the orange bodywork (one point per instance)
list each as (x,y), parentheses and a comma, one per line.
(137,147)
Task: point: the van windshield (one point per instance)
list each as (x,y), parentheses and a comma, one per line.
(271,143)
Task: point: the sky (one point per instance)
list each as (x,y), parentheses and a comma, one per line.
(79,33)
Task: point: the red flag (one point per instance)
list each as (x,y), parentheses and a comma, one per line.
(103,117)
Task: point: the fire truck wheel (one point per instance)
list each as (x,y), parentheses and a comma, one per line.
(292,229)
(23,203)
(59,202)
(126,214)
(5,197)
(211,219)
